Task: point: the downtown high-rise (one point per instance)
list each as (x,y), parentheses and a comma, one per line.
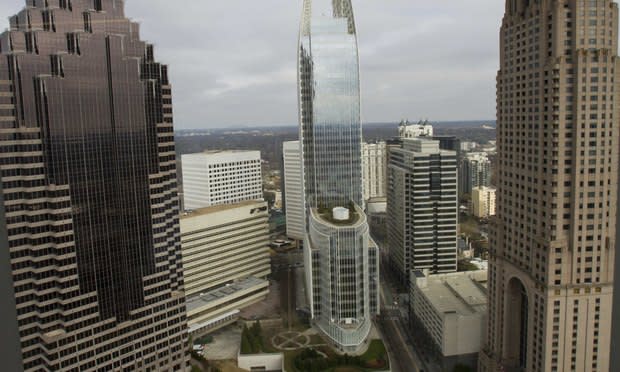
(422,204)
(552,243)
(341,260)
(92,274)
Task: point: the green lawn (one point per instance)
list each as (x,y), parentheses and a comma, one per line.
(376,351)
(373,359)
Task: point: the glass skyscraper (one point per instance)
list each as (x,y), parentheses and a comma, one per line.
(89,230)
(341,259)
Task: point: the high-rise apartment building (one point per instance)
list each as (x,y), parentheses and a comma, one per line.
(225,262)
(552,243)
(89,212)
(483,201)
(374,169)
(221,177)
(422,210)
(475,171)
(294,186)
(341,261)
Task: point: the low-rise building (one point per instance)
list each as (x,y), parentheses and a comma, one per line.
(226,261)
(450,310)
(483,201)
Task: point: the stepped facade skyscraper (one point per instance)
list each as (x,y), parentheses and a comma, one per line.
(552,243)
(89,228)
(341,259)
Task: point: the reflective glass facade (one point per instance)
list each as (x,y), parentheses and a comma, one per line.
(329,93)
(90,195)
(341,259)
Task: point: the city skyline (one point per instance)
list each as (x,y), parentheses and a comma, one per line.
(425,43)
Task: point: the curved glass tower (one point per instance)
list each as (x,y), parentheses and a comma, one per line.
(341,259)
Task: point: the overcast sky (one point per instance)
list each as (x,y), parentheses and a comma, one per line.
(233,62)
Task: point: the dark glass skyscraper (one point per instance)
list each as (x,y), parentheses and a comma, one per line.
(341,259)
(90,204)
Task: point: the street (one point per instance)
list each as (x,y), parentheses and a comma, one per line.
(402,356)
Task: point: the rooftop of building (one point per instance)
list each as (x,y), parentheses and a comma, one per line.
(463,293)
(215,153)
(327,215)
(223,207)
(197,301)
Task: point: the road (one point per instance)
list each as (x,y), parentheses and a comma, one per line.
(402,356)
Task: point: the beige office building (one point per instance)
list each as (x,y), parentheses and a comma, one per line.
(552,242)
(374,169)
(225,261)
(483,201)
(450,310)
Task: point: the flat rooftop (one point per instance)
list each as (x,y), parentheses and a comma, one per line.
(221,208)
(456,293)
(198,301)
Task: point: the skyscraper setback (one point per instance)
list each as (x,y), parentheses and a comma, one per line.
(89,193)
(553,241)
(341,259)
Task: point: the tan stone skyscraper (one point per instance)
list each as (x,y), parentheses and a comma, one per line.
(552,242)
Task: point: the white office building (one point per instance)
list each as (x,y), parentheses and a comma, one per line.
(483,201)
(415,130)
(221,177)
(450,310)
(374,169)
(422,209)
(225,262)
(294,190)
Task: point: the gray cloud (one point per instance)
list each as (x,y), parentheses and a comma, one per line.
(233,62)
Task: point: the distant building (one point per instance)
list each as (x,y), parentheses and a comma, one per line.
(414,130)
(451,143)
(374,169)
(475,172)
(422,208)
(225,261)
(221,177)
(483,201)
(451,311)
(294,195)
(468,146)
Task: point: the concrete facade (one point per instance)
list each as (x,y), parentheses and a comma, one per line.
(221,177)
(483,201)
(552,243)
(225,260)
(452,310)
(294,186)
(374,169)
